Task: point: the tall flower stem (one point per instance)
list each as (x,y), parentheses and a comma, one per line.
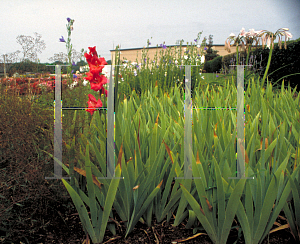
(116,80)
(237,54)
(69,48)
(247,60)
(268,64)
(104,105)
(248,54)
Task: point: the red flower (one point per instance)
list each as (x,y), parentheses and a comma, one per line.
(95,70)
(89,77)
(93,104)
(96,63)
(93,50)
(93,60)
(98,82)
(88,57)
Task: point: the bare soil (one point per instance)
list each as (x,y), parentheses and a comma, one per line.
(54,219)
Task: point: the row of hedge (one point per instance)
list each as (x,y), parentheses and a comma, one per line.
(29,66)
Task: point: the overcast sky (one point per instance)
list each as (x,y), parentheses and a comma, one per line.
(106,23)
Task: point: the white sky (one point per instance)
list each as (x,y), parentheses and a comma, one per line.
(130,23)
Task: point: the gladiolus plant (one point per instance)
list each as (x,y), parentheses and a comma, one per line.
(95,224)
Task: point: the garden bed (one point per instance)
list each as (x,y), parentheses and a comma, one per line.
(52,217)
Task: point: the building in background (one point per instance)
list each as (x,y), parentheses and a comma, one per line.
(133,54)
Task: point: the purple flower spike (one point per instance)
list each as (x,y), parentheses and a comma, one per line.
(164,46)
(205,48)
(149,43)
(74,76)
(68,19)
(195,40)
(62,39)
(217,76)
(73,63)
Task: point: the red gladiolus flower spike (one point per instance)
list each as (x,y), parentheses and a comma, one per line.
(94,76)
(96,64)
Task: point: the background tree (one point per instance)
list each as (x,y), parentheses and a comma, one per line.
(210,53)
(63,57)
(76,56)
(31,46)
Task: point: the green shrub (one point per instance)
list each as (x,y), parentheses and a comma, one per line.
(285,64)
(214,65)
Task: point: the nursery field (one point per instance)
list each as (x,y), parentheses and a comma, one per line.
(149,154)
(156,144)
